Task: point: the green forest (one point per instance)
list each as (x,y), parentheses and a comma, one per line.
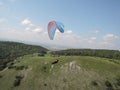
(11,50)
(111,54)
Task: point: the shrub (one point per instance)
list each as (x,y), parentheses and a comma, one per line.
(41,54)
(44,69)
(18,80)
(94,83)
(19,76)
(2,67)
(64,80)
(11,63)
(109,85)
(1,76)
(45,84)
(19,67)
(118,81)
(26,67)
(10,67)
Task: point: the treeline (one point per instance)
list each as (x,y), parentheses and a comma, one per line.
(112,54)
(11,50)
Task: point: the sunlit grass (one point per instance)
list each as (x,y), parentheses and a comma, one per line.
(70,73)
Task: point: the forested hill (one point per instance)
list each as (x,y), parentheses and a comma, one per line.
(112,54)
(11,50)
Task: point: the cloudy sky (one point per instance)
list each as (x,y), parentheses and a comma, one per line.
(88,23)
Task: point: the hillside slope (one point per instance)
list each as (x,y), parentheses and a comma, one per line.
(33,72)
(11,50)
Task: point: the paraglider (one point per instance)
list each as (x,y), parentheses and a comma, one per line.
(52,26)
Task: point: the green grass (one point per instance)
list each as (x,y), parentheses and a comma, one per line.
(70,73)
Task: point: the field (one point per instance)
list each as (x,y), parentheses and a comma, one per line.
(70,73)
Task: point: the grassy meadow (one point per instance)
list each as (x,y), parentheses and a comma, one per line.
(70,73)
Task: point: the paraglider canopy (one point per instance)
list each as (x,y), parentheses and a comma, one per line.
(52,26)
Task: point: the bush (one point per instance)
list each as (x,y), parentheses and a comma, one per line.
(11,63)
(25,67)
(44,68)
(41,54)
(109,85)
(2,67)
(19,76)
(19,67)
(18,80)
(94,83)
(118,81)
(45,84)
(10,67)
(1,76)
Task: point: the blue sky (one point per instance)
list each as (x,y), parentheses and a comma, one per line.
(88,23)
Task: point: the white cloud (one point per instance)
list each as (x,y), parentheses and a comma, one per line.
(69,31)
(110,37)
(12,0)
(27,28)
(2,20)
(97,31)
(1,4)
(37,30)
(26,22)
(106,43)
(30,26)
(92,40)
